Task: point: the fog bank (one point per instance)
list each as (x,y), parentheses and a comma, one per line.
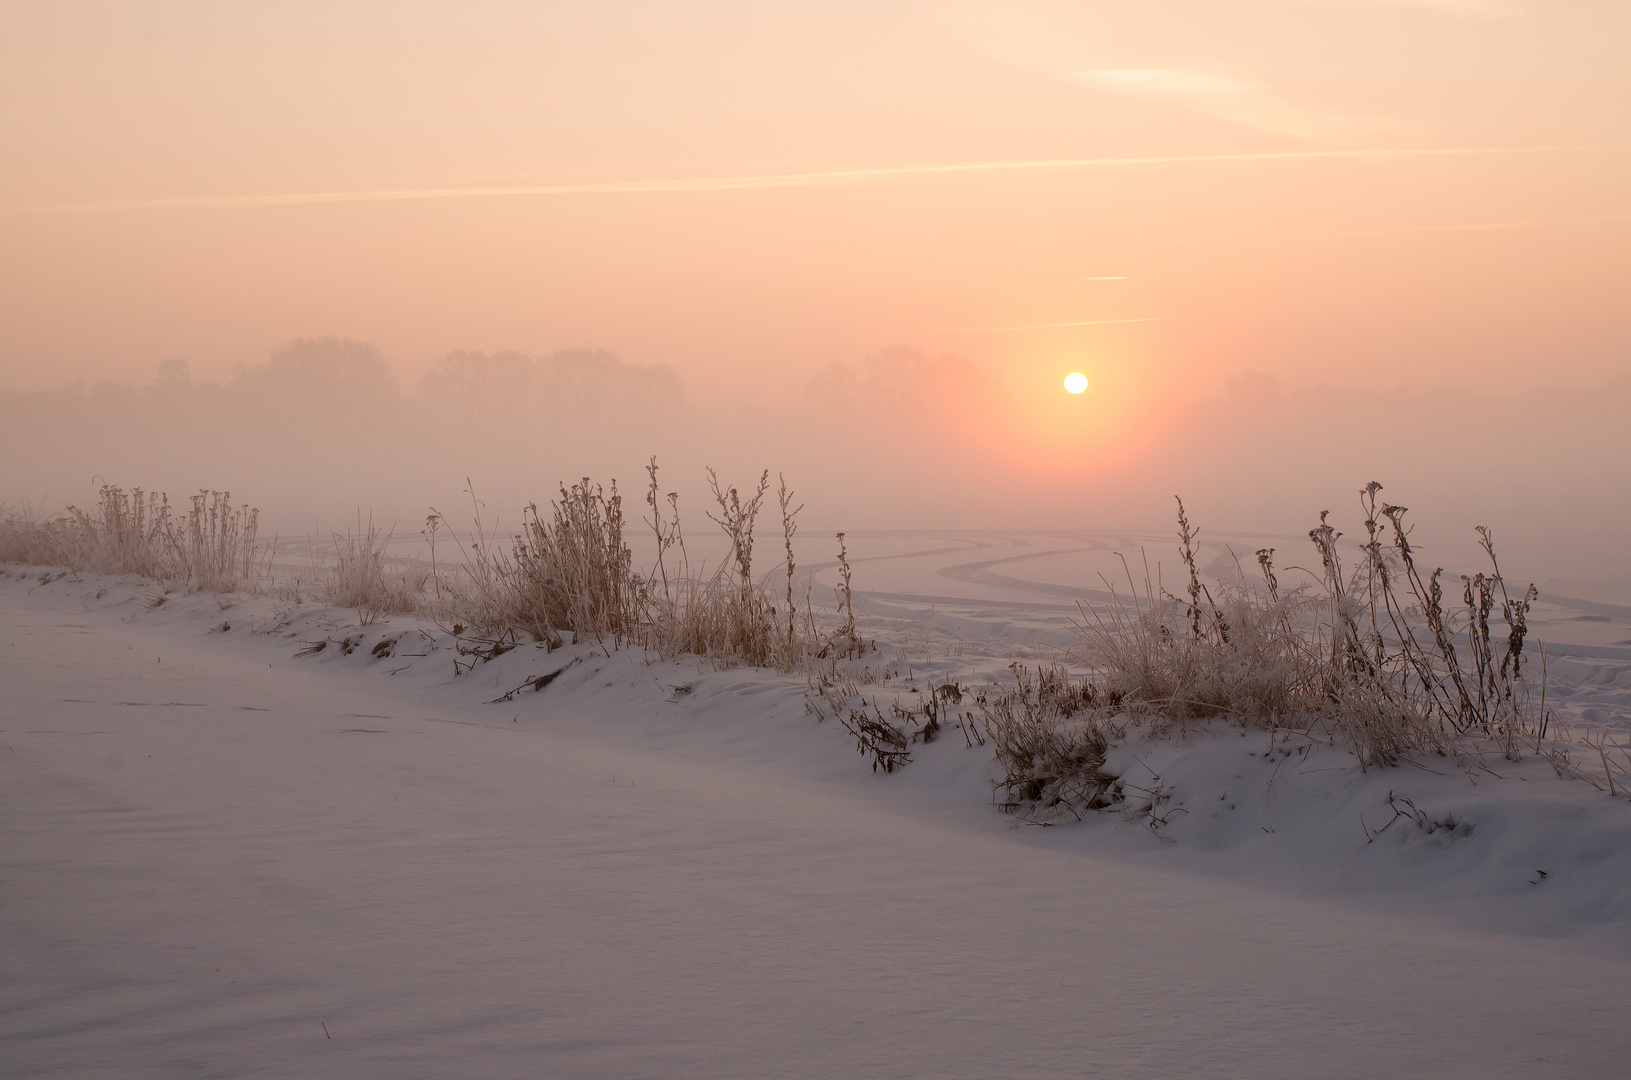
(326,430)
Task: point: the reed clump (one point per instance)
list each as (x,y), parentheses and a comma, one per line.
(211,546)
(570,572)
(567,571)
(1373,655)
(362,576)
(215,545)
(728,616)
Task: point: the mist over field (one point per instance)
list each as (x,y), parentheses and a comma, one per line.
(326,429)
(861,246)
(958,748)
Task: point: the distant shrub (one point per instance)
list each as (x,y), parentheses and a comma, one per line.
(570,384)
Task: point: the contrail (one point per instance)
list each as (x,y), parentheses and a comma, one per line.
(1038,326)
(1492,226)
(829,178)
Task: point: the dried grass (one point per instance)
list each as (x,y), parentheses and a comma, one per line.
(1372,657)
(727,616)
(1050,735)
(570,572)
(211,547)
(362,576)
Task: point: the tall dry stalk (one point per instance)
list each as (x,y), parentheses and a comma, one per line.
(752,615)
(217,542)
(789,526)
(846,632)
(666,531)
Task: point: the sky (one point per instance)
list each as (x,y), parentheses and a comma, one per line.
(1294,245)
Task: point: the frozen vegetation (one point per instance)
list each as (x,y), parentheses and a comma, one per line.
(937,804)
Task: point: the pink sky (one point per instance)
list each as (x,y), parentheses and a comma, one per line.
(1180,198)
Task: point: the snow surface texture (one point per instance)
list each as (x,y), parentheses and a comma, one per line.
(221,858)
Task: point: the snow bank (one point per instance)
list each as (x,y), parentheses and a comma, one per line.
(224,858)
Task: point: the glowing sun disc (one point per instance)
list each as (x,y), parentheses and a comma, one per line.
(1075,382)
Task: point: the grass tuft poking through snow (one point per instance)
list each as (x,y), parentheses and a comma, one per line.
(1372,659)
(212,547)
(362,578)
(1050,735)
(1377,658)
(570,571)
(1373,656)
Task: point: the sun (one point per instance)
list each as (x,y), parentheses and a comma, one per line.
(1075,382)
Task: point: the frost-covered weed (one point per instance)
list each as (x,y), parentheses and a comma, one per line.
(569,571)
(1374,658)
(1050,736)
(361,577)
(211,546)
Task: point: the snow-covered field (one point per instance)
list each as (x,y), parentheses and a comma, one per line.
(222,858)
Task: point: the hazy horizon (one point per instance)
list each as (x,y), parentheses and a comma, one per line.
(1295,245)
